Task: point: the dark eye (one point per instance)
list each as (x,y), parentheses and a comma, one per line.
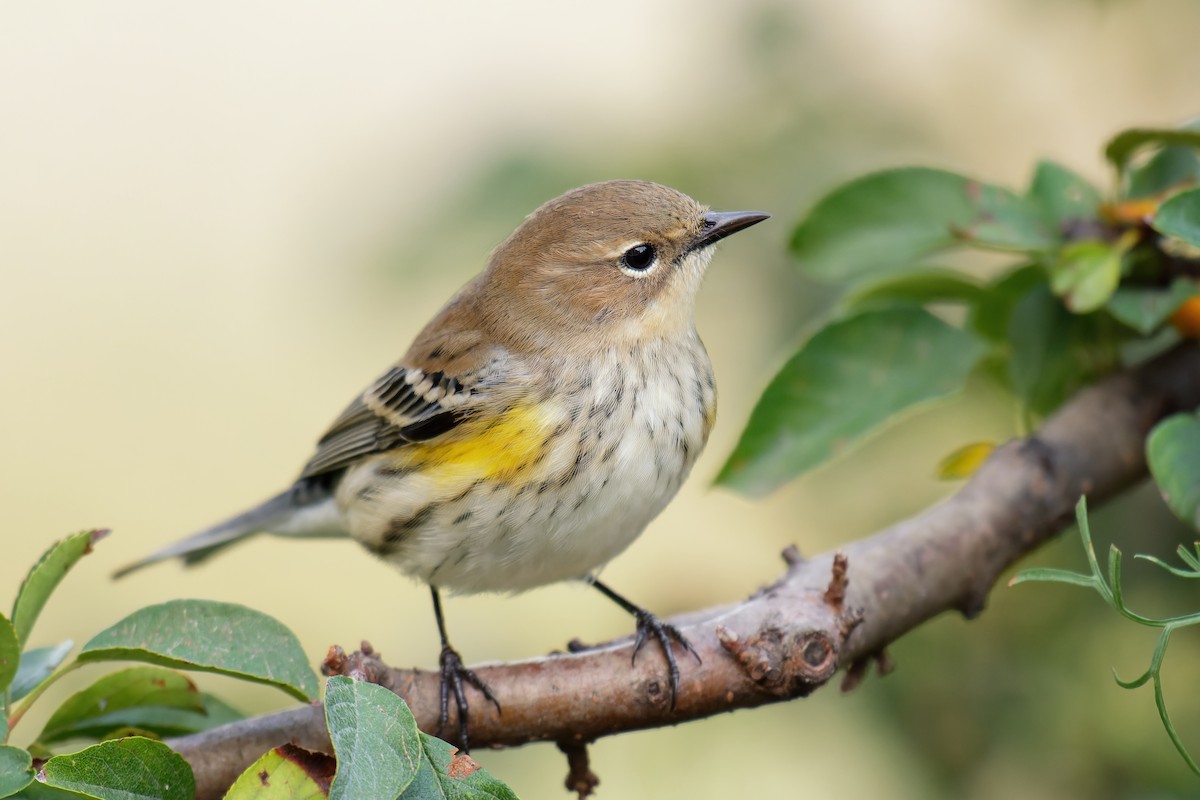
(639,257)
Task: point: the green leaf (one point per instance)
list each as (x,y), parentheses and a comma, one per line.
(1053,352)
(216,713)
(1086,274)
(1062,194)
(1170,167)
(16,769)
(209,636)
(1179,216)
(375,738)
(36,666)
(918,287)
(285,773)
(848,379)
(1051,575)
(104,706)
(1178,572)
(447,773)
(123,769)
(42,580)
(1122,147)
(157,722)
(889,220)
(40,791)
(990,316)
(1173,452)
(10,656)
(1145,309)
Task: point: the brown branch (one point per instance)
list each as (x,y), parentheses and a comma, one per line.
(787,639)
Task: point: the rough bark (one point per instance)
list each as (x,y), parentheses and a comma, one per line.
(788,639)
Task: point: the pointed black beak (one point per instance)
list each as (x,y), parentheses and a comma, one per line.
(719,224)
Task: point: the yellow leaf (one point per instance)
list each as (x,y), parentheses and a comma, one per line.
(964,461)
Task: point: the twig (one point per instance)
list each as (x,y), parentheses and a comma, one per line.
(788,639)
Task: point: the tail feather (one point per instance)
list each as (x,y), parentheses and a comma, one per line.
(287,513)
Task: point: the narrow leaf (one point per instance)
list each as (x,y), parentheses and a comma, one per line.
(1179,572)
(36,666)
(107,703)
(45,576)
(1135,683)
(851,377)
(209,636)
(1188,557)
(1179,216)
(285,773)
(123,769)
(1052,575)
(447,773)
(1173,452)
(889,220)
(375,738)
(1160,700)
(16,770)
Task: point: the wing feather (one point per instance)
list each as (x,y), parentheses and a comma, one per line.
(404,405)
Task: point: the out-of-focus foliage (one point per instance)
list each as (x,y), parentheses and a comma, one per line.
(1092,282)
(1051,320)
(1173,452)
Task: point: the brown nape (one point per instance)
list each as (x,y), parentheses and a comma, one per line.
(561,266)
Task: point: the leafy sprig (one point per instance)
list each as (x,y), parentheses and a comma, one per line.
(1087,281)
(1106,581)
(130,709)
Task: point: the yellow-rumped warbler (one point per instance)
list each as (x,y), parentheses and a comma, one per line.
(538,422)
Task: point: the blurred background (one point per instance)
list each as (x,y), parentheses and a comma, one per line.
(219,222)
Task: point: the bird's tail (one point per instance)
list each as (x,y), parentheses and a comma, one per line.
(300,511)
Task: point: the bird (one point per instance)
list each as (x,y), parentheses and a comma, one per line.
(536,425)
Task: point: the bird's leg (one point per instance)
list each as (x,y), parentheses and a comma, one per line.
(454,674)
(649,625)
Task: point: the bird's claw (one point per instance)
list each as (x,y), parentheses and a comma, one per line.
(664,633)
(454,676)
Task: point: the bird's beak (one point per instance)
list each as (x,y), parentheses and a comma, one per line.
(719,224)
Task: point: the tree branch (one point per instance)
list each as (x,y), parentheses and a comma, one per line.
(788,639)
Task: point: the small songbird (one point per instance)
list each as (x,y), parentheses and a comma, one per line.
(537,424)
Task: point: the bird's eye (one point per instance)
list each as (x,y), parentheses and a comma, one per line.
(639,258)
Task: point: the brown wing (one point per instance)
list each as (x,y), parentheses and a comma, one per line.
(405,405)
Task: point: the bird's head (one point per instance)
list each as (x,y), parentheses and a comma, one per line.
(626,256)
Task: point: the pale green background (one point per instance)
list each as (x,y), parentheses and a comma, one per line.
(219,221)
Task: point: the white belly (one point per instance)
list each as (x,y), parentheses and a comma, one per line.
(636,435)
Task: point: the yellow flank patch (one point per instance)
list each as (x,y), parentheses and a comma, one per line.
(485,449)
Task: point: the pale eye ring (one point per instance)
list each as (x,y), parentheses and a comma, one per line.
(639,259)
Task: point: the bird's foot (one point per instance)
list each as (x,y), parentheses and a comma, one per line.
(664,633)
(454,677)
